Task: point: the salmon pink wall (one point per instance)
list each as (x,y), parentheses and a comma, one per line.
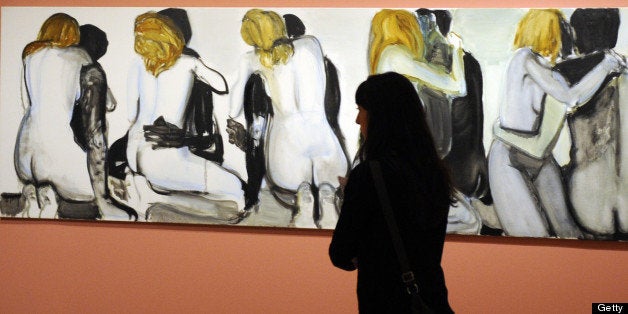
(63,266)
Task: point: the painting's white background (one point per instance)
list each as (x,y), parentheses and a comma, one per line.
(60,266)
(343,33)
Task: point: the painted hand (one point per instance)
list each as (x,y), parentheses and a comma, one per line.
(164,134)
(342,182)
(454,40)
(620,58)
(237,133)
(616,62)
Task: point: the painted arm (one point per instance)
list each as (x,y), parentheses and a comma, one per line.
(211,77)
(457,65)
(554,85)
(133,93)
(398,59)
(237,96)
(26,101)
(541,144)
(133,103)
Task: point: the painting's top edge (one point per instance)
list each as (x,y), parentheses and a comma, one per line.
(445,4)
(309,7)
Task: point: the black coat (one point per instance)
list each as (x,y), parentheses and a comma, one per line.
(362,232)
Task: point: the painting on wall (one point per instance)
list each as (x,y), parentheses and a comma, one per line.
(245,116)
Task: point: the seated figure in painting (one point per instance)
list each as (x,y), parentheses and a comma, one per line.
(200,129)
(397,44)
(202,134)
(526,181)
(163,173)
(296,29)
(257,107)
(48,160)
(596,157)
(286,80)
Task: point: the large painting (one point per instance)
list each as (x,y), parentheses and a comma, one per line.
(245,116)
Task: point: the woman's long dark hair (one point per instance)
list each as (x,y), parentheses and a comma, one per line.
(397,127)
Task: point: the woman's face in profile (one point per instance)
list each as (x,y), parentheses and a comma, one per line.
(363,120)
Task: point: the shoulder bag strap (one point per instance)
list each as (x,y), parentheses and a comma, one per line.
(407,276)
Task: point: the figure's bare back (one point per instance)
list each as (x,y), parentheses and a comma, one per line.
(301,145)
(299,84)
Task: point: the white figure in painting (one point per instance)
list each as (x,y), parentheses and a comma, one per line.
(303,155)
(48,160)
(396,45)
(525,179)
(160,81)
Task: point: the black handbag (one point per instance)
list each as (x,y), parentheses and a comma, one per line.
(407,275)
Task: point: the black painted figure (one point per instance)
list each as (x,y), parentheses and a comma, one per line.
(457,125)
(467,157)
(596,130)
(89,124)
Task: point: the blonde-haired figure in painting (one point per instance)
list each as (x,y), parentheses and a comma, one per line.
(396,44)
(47,160)
(160,80)
(526,182)
(303,155)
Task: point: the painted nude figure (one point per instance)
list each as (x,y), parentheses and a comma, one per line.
(526,182)
(304,157)
(172,176)
(462,117)
(53,167)
(597,137)
(397,45)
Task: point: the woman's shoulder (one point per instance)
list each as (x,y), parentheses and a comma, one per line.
(521,58)
(523,54)
(524,51)
(363,172)
(529,57)
(360,174)
(189,60)
(250,60)
(392,56)
(186,63)
(65,53)
(308,43)
(360,170)
(78,51)
(395,49)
